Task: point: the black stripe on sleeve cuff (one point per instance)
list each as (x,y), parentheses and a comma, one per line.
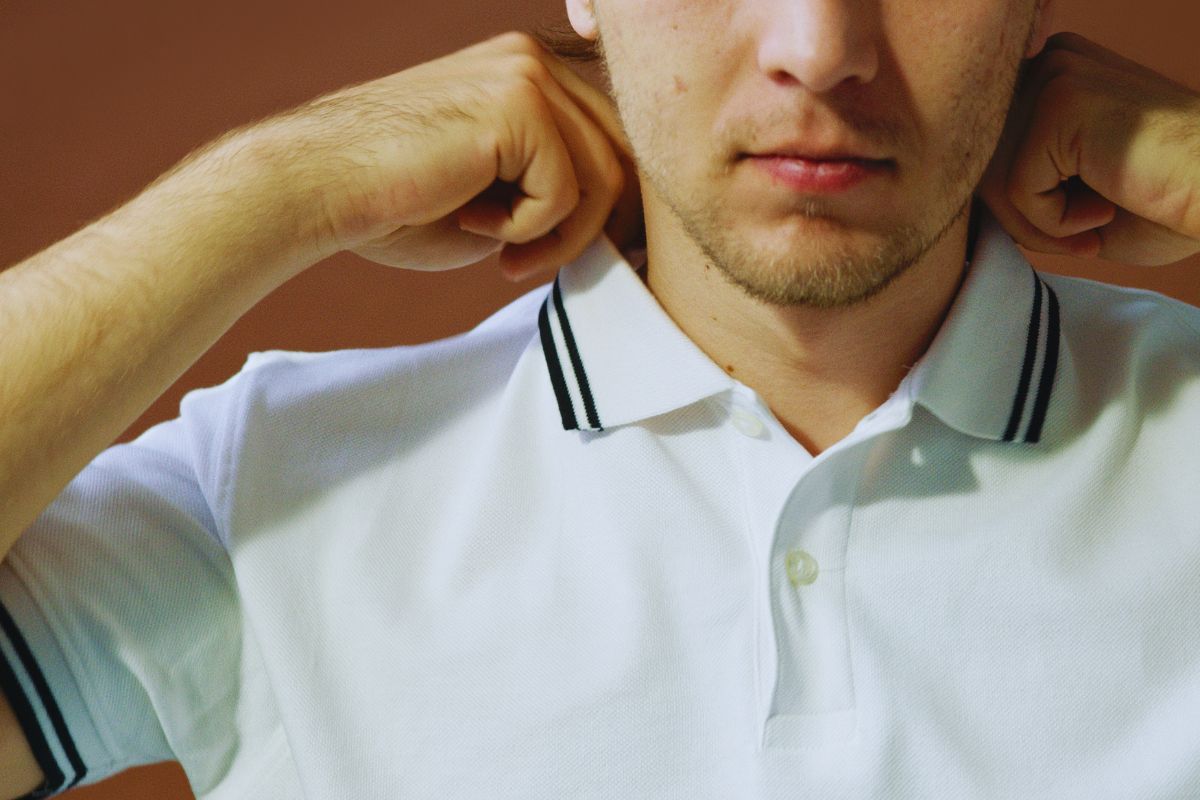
(37,712)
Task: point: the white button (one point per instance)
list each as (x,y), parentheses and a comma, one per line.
(801,568)
(747,422)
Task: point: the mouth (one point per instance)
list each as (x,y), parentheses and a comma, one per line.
(818,173)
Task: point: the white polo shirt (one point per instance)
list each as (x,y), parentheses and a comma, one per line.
(565,555)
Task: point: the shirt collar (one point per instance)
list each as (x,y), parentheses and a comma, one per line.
(990,369)
(614,356)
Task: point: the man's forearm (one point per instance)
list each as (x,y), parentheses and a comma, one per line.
(95,328)
(396,169)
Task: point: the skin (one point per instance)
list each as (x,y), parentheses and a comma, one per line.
(1100,157)
(820,302)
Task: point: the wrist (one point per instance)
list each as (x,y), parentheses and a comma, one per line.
(240,199)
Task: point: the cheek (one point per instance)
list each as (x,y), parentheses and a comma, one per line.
(660,89)
(667,50)
(956,78)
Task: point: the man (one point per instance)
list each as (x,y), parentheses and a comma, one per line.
(833,496)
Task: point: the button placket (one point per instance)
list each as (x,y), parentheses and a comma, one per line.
(813,701)
(771,464)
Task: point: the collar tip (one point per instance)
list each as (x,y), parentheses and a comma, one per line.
(1029,438)
(575,426)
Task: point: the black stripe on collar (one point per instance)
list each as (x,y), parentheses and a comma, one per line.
(553,366)
(555,356)
(1049,367)
(1035,342)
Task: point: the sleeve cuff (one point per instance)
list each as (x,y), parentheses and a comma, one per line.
(43,693)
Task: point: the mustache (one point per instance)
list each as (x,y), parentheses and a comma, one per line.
(850,126)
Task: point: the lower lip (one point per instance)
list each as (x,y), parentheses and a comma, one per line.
(803,175)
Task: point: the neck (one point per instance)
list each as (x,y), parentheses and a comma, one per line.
(820,371)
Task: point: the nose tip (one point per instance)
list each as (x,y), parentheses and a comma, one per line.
(818,44)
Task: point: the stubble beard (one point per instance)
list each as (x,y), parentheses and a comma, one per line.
(832,273)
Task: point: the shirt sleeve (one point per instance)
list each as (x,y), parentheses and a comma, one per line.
(122,640)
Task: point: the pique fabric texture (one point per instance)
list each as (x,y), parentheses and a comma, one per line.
(564,555)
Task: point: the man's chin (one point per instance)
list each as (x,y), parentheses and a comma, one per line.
(805,289)
(814,262)
(804,239)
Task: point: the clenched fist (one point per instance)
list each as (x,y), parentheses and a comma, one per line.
(496,147)
(1100,157)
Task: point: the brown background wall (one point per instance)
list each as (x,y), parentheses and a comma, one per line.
(97,99)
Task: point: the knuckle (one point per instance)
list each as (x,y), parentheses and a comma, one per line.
(537,230)
(531,68)
(536,226)
(568,242)
(614,178)
(557,207)
(567,195)
(522,92)
(521,236)
(518,42)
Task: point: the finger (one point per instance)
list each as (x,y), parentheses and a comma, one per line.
(601,157)
(600,180)
(1024,233)
(595,103)
(561,246)
(1086,208)
(625,226)
(534,157)
(1045,158)
(598,106)
(1082,245)
(488,212)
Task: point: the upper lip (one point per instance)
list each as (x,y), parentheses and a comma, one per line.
(812,153)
